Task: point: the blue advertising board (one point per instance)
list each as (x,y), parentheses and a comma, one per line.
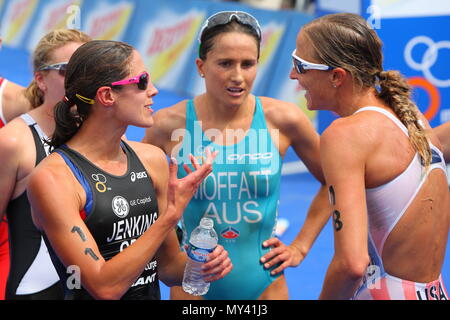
(51,15)
(16,18)
(165,34)
(421,52)
(416,42)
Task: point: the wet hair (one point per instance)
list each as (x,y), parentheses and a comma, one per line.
(345,40)
(95,64)
(43,54)
(207,39)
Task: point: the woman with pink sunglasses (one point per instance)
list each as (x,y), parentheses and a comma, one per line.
(109,218)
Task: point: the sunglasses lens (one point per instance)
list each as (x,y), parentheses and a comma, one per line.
(143,82)
(298,66)
(62,70)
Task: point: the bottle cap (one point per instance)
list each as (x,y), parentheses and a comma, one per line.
(207,223)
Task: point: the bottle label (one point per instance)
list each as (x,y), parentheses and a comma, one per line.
(198,254)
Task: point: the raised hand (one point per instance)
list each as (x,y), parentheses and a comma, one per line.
(181,191)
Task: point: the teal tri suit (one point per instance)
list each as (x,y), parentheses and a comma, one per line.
(241,196)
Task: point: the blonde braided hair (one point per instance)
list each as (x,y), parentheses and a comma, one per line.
(345,40)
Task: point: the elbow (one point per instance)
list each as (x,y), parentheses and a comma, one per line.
(168,280)
(105,292)
(355,268)
(171,282)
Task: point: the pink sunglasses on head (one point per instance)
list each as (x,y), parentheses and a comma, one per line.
(141,81)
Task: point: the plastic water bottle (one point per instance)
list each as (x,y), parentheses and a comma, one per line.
(202,242)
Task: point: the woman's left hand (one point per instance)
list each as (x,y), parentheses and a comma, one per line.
(286,256)
(218,265)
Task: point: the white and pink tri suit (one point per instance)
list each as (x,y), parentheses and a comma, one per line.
(386,205)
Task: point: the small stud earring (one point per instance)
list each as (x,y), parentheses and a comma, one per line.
(202,75)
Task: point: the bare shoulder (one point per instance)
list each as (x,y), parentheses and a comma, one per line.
(51,165)
(293,124)
(52,173)
(439,136)
(148,152)
(166,122)
(282,114)
(355,135)
(152,157)
(155,162)
(52,185)
(443,129)
(14,101)
(170,118)
(15,136)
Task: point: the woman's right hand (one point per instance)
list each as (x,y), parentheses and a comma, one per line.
(181,191)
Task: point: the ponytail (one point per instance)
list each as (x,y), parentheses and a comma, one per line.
(34,95)
(67,121)
(395,92)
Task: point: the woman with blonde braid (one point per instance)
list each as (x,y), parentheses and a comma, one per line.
(383,167)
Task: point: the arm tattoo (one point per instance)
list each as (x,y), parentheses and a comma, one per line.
(332,195)
(337,223)
(80,233)
(91,253)
(336,214)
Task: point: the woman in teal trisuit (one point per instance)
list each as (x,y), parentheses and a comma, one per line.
(252,134)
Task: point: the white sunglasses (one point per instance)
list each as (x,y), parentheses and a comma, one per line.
(301,65)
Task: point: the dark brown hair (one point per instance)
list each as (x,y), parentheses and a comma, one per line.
(207,39)
(95,64)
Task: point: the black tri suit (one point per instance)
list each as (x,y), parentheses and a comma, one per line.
(118,210)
